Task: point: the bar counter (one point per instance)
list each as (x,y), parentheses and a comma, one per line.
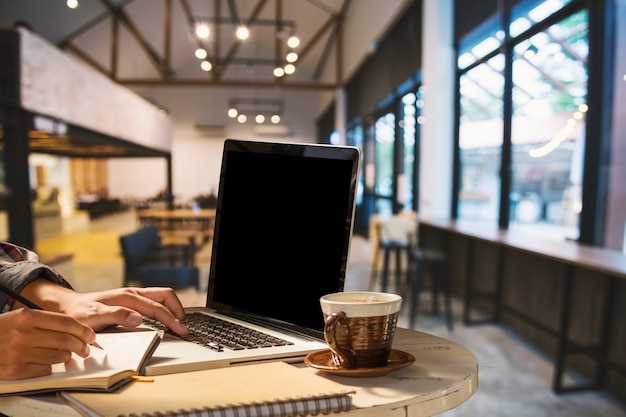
(567,298)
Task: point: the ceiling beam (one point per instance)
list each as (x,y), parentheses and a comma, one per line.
(232,6)
(167,34)
(118,13)
(227,83)
(237,42)
(218,37)
(278,30)
(339,49)
(330,41)
(115,30)
(82,55)
(316,38)
(163,63)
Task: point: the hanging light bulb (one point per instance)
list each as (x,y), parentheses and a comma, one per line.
(232,112)
(259,118)
(275,118)
(293,41)
(290,69)
(206,65)
(242,118)
(201,53)
(72,4)
(291,57)
(202,30)
(278,72)
(242,32)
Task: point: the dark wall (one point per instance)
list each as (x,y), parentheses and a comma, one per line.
(326,124)
(398,57)
(470,14)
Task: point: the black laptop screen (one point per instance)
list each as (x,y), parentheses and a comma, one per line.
(283,227)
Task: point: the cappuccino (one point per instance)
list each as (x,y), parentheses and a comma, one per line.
(359,327)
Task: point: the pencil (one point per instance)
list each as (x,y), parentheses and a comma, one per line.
(18,297)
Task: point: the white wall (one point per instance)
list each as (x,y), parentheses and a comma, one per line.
(55,84)
(196,157)
(136,177)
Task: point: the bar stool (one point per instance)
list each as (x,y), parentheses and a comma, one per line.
(435,262)
(395,235)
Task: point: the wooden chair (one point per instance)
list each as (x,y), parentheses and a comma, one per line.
(394,240)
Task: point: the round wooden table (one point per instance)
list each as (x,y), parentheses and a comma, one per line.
(443,376)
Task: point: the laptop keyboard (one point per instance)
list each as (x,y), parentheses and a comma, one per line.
(217,334)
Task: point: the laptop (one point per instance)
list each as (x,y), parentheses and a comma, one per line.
(281,239)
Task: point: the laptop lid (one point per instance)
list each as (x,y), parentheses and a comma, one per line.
(282,231)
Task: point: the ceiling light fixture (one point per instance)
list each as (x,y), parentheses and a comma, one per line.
(203,30)
(291,57)
(201,53)
(261,109)
(242,33)
(206,65)
(293,41)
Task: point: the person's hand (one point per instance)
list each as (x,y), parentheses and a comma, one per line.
(126,307)
(120,306)
(33,340)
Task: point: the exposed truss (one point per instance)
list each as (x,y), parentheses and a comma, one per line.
(225,51)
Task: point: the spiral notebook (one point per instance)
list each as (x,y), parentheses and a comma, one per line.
(262,390)
(281,240)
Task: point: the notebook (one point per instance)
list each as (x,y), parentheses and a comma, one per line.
(281,240)
(264,389)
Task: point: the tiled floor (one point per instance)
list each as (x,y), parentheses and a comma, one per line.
(514,378)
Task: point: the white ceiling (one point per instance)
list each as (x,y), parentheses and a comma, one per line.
(146,52)
(192,97)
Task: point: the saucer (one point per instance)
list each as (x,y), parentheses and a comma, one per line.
(322,360)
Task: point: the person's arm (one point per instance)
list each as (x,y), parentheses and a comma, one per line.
(120,306)
(21,270)
(19,267)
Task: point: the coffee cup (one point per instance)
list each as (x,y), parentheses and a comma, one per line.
(359,327)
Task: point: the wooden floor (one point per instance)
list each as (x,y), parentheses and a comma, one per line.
(514,378)
(97,259)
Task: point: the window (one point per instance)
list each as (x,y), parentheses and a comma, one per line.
(480,140)
(355,138)
(522,119)
(384,134)
(408,123)
(548,128)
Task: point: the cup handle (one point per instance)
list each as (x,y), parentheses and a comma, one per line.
(347,357)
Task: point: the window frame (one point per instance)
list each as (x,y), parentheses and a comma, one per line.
(595,178)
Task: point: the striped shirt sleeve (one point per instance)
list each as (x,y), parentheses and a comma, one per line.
(19,267)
